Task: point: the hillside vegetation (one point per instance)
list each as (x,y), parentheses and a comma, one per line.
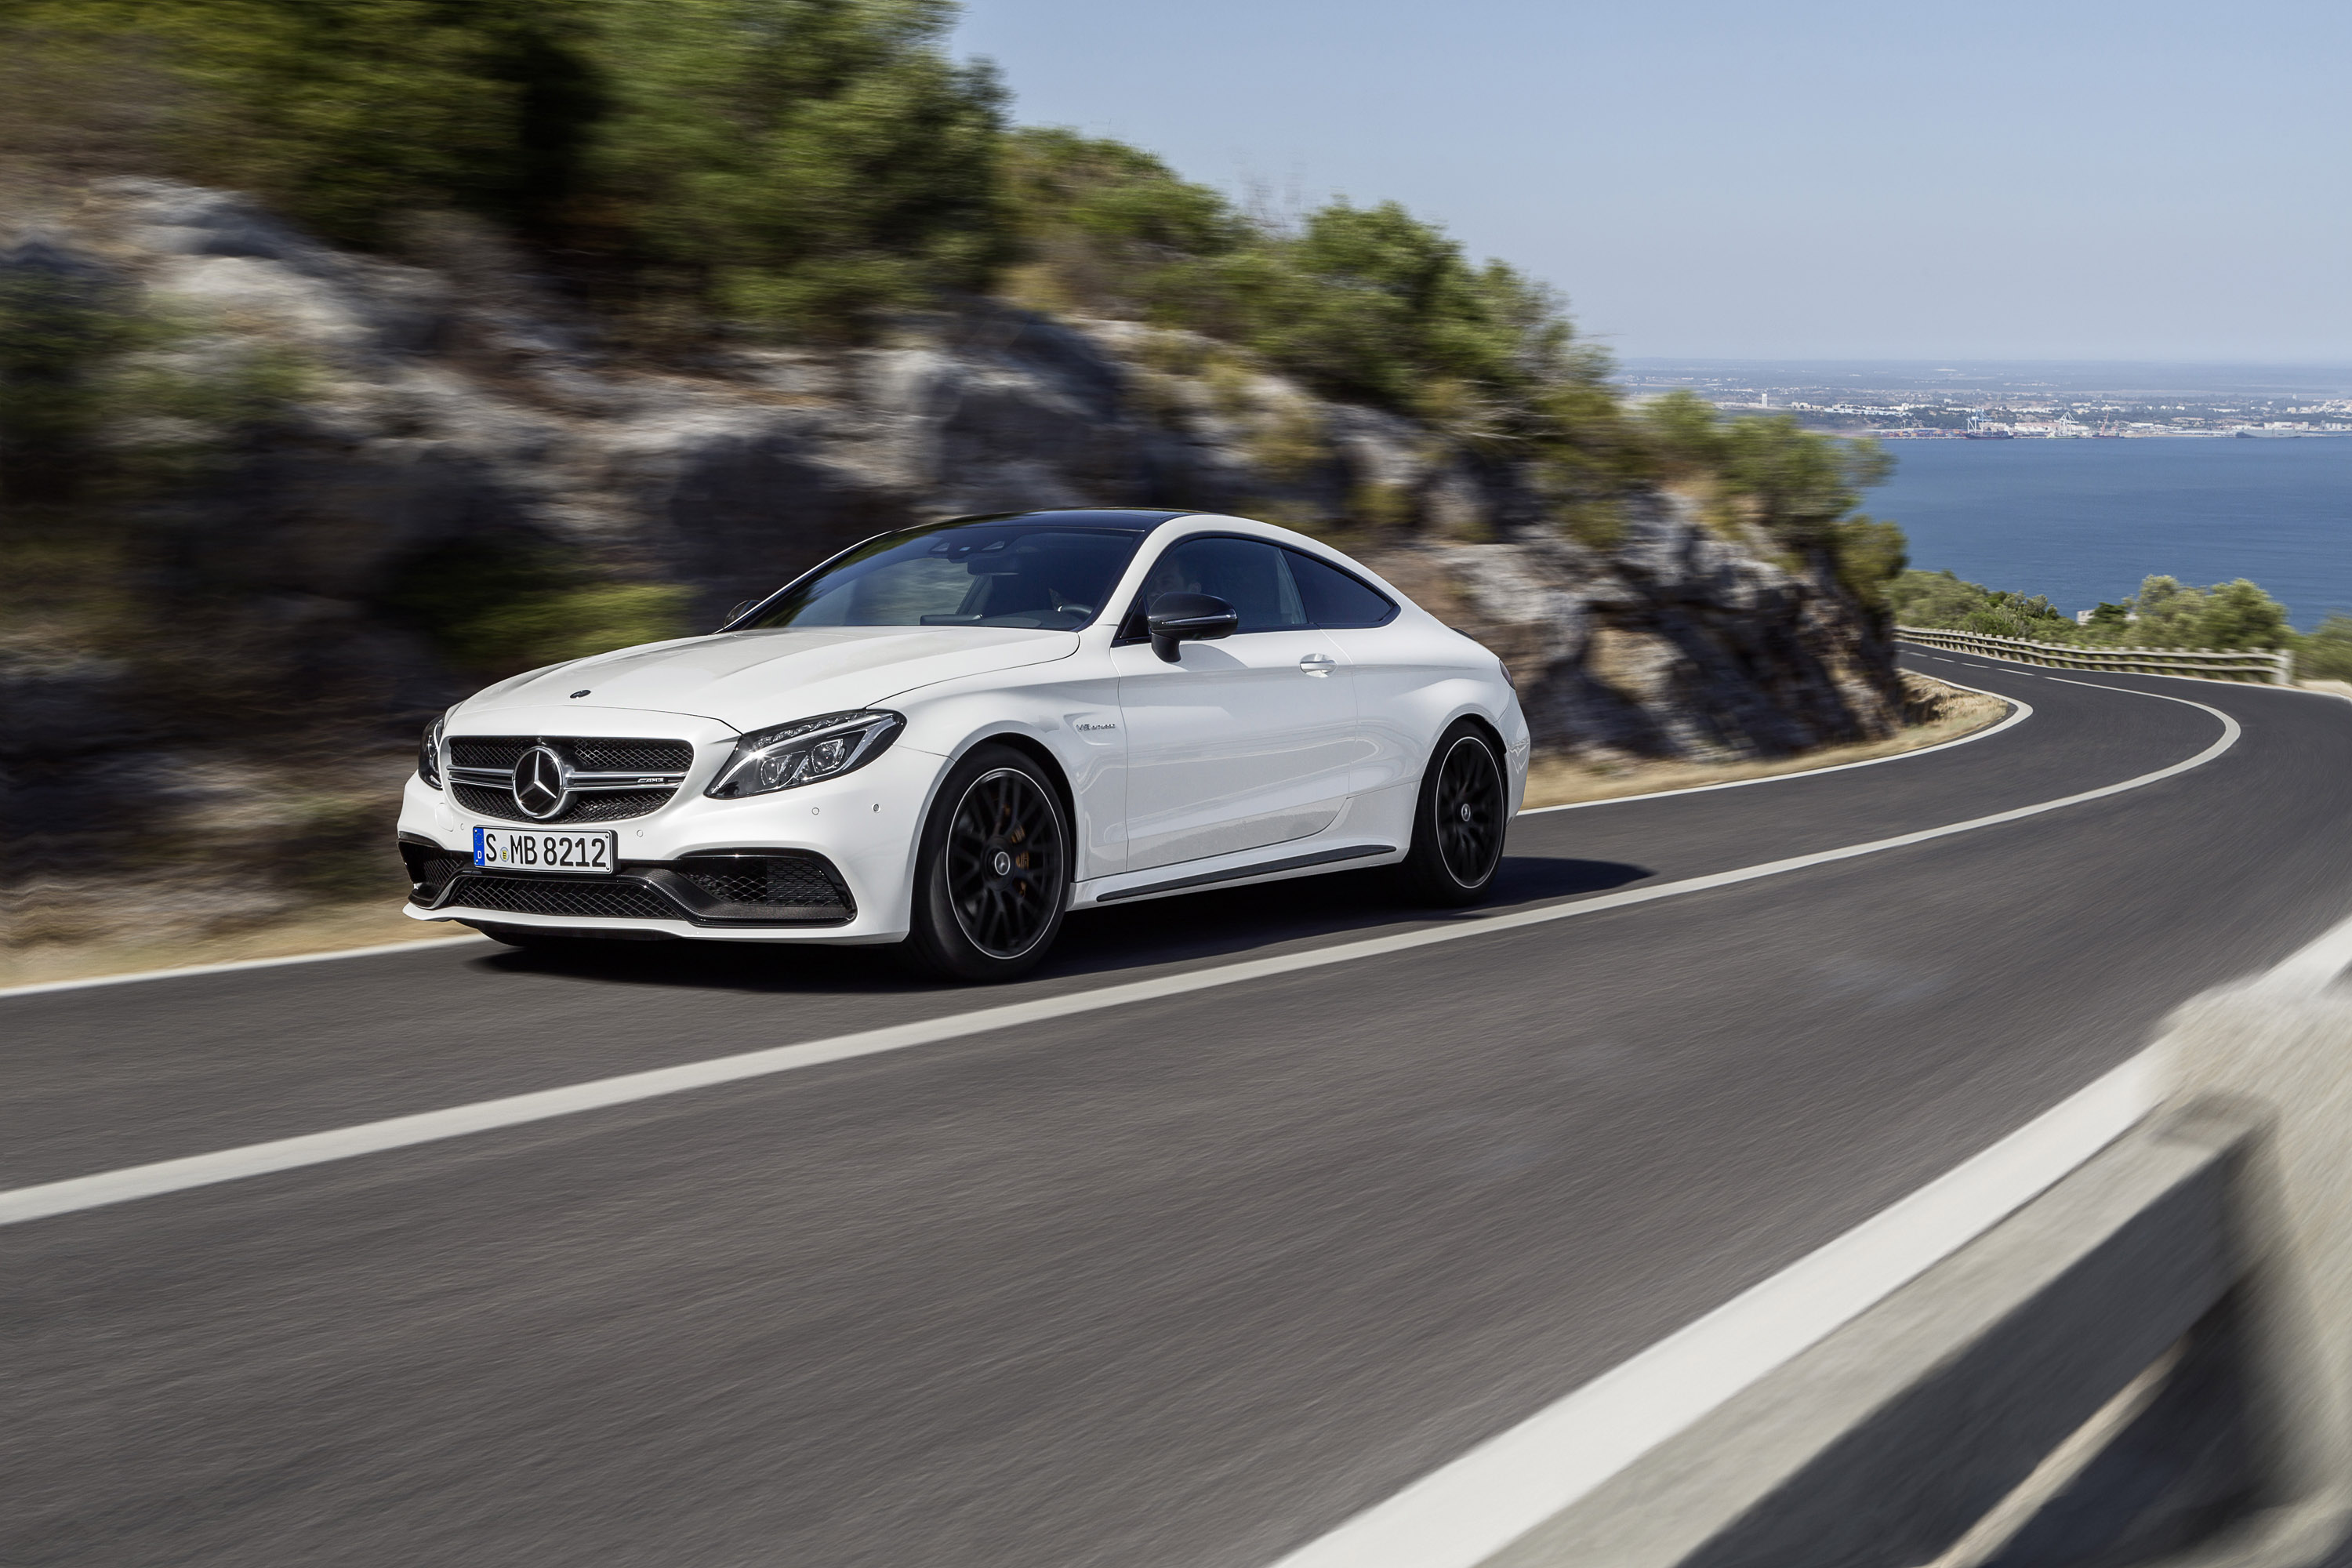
(700,172)
(2165,612)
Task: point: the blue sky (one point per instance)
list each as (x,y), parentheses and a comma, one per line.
(2073,179)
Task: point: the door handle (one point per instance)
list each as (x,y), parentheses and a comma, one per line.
(1319,664)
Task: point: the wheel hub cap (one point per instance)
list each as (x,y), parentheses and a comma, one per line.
(1003,863)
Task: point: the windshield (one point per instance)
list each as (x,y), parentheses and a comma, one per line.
(1034,572)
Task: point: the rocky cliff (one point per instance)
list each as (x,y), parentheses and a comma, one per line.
(449,401)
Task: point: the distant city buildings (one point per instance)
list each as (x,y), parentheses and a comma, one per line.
(2025,403)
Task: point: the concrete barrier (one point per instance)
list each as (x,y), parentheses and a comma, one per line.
(2149,1362)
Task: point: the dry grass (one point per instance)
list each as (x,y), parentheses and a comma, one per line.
(322,928)
(1938,712)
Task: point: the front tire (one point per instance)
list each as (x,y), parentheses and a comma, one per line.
(1458,820)
(992,873)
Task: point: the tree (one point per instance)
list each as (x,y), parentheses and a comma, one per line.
(2240,615)
(796,163)
(2326,653)
(345,113)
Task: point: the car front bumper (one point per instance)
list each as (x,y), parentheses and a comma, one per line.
(829,862)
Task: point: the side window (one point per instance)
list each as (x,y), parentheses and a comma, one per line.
(1248,573)
(1333,598)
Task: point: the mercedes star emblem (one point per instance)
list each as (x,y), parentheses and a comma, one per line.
(541,789)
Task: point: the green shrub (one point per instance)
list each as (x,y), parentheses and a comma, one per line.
(1941,599)
(2163,614)
(494,605)
(805,162)
(2326,653)
(1797,486)
(343,114)
(793,163)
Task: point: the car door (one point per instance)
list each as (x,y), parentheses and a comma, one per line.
(1241,742)
(1388,662)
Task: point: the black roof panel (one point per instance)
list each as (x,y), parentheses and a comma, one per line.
(1136,516)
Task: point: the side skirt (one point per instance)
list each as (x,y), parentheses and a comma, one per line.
(1242,873)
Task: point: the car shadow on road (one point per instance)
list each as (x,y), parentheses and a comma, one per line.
(1099,943)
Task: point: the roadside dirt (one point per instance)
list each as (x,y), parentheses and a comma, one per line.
(1934,711)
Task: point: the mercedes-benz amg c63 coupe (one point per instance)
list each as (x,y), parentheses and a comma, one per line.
(952,736)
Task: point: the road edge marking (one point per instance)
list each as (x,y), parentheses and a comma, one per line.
(126,1184)
(227,966)
(1471,1508)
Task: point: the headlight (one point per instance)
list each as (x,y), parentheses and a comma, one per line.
(789,755)
(428,753)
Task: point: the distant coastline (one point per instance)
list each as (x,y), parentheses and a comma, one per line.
(1925,402)
(2249,433)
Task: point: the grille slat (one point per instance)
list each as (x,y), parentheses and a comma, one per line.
(547,896)
(582,754)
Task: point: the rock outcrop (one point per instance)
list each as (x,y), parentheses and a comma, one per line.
(454,399)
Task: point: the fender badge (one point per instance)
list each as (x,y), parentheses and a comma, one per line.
(582,691)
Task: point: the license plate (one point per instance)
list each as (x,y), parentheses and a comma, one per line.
(517,849)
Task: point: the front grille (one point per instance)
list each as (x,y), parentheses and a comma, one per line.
(581,754)
(489,751)
(610,806)
(627,756)
(553,896)
(596,754)
(769,880)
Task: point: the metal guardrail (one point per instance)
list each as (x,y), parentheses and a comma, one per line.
(1892,1442)
(2210,664)
(2143,1364)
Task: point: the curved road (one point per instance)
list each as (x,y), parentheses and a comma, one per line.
(1186,1280)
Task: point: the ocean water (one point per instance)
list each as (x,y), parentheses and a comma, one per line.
(2085,521)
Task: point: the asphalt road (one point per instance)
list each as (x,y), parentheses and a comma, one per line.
(1187,1281)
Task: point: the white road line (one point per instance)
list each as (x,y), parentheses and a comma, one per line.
(403,1131)
(411,945)
(2021,710)
(1463,1512)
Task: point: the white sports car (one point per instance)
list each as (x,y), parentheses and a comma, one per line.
(951,736)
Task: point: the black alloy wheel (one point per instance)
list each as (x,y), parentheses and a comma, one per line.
(1462,814)
(993,878)
(1469,812)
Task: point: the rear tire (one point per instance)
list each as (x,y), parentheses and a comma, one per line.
(1459,819)
(992,872)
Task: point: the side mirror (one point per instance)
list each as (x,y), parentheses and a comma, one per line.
(1188,617)
(729,617)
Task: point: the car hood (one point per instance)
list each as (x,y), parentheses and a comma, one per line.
(752,680)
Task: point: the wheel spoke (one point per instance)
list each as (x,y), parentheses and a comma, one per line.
(1003,814)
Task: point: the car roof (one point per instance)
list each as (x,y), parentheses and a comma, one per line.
(1141,519)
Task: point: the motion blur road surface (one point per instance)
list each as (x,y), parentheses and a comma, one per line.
(1187,1281)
